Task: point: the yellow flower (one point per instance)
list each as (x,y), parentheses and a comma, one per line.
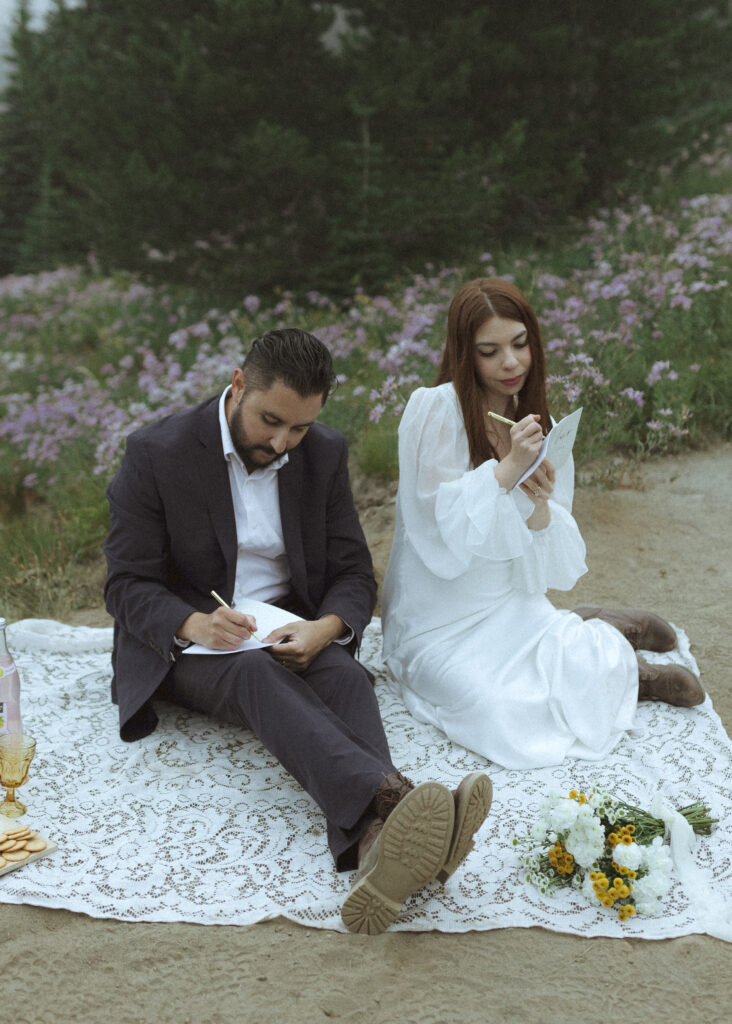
(631,829)
(573,794)
(613,838)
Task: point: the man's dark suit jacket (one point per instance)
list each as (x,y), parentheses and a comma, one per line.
(172,540)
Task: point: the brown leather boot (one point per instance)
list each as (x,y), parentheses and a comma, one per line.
(643,630)
(393,789)
(472,803)
(671,684)
(399,856)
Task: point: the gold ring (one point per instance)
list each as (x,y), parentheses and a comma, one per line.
(537,492)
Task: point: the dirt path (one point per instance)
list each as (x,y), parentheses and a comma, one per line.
(662,545)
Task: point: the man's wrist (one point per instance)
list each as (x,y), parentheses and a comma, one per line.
(184,633)
(338,630)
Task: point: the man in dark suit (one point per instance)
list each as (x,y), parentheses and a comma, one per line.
(246,495)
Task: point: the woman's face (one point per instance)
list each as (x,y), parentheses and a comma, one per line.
(502,360)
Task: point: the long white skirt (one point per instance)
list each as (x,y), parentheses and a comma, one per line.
(525,685)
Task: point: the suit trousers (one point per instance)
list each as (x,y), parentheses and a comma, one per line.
(322,724)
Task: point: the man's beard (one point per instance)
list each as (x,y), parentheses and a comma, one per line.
(246,451)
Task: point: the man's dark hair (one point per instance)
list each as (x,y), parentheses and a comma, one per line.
(295,358)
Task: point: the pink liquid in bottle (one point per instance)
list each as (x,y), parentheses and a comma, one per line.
(10,720)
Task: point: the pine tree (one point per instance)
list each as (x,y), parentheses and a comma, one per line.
(20,141)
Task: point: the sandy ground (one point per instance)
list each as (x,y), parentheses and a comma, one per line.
(660,544)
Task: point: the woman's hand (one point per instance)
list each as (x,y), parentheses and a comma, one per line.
(527,438)
(539,486)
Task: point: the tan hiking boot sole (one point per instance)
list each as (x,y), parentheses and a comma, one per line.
(473,803)
(409,851)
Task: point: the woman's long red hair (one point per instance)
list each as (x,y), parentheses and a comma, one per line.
(475,303)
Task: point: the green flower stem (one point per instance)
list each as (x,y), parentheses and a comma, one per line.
(647,827)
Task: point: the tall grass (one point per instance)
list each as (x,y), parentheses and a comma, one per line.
(635,307)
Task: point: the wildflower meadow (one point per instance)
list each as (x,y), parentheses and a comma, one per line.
(635,309)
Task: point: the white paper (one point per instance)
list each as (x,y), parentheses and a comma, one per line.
(558,444)
(268,617)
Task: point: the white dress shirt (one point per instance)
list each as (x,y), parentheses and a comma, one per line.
(262,565)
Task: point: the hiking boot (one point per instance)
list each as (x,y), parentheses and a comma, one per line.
(398,856)
(643,630)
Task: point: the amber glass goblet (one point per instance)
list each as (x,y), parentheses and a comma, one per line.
(16,754)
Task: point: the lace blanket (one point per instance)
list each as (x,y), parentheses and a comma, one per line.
(198,823)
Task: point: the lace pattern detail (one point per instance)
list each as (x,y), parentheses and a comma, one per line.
(198,823)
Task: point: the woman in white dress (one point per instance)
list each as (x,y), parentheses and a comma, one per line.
(469,634)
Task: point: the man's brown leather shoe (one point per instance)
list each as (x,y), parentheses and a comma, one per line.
(394,787)
(671,684)
(399,857)
(643,630)
(472,803)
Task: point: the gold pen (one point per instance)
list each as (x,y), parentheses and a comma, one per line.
(503,419)
(225,605)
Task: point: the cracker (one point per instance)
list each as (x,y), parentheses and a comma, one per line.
(21,845)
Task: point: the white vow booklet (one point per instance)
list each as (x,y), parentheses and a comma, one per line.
(268,618)
(558,444)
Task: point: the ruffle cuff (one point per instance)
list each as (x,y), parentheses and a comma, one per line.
(477,517)
(556,558)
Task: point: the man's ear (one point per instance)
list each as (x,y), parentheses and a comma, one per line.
(238,382)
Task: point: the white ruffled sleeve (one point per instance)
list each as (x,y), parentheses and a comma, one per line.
(454,515)
(557,557)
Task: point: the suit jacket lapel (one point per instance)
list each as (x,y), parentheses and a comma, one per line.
(213,479)
(289,486)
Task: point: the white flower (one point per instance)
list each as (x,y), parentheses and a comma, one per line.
(563,815)
(598,798)
(538,830)
(628,856)
(587,891)
(657,857)
(648,892)
(586,839)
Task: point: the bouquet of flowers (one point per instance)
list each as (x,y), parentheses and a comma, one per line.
(609,850)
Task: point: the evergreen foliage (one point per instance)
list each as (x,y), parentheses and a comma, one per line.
(224,143)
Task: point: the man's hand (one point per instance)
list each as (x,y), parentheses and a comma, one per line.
(222,630)
(303,641)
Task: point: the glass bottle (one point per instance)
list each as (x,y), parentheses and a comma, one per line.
(9,688)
